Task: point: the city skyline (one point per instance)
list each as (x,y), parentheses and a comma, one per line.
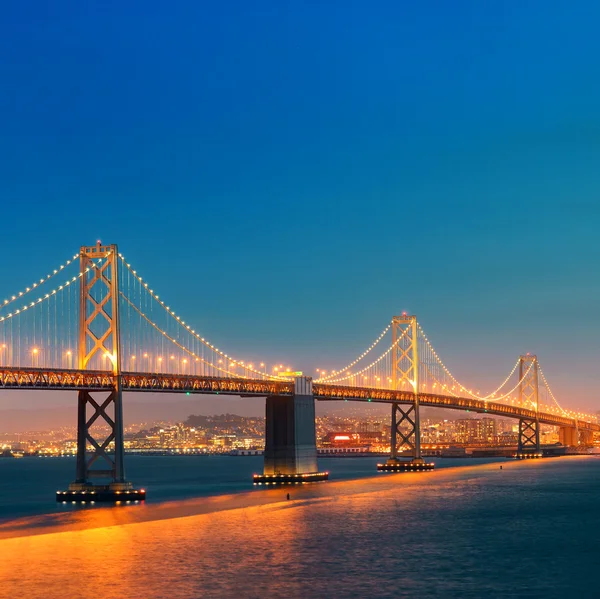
(219,433)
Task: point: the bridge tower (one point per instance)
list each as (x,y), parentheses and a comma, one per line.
(406,422)
(529,428)
(99,348)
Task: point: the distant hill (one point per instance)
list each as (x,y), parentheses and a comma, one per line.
(37,412)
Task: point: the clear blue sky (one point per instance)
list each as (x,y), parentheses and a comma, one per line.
(291,174)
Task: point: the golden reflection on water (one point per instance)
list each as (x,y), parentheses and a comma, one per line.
(180,557)
(102,516)
(246,545)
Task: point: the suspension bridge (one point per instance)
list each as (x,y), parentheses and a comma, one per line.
(93,325)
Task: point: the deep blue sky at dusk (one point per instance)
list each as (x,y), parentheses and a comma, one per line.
(289,175)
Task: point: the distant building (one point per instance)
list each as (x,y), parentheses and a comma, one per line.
(476,430)
(340,439)
(370,427)
(346,442)
(223,440)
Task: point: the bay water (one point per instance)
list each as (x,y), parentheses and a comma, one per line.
(468,529)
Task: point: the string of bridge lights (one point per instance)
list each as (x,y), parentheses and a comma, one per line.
(192,331)
(442,385)
(551,408)
(566,412)
(550,390)
(486,399)
(503,383)
(333,372)
(175,342)
(461,386)
(331,378)
(48,295)
(514,388)
(492,395)
(351,375)
(43,280)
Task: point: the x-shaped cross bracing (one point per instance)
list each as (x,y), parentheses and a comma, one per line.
(407,439)
(99,344)
(528,434)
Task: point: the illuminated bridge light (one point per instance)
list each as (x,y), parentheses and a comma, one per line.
(282,479)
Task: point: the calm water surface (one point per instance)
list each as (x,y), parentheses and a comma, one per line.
(531,529)
(28,485)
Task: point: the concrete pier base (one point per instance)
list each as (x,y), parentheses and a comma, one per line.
(290,479)
(112,493)
(397,465)
(532,455)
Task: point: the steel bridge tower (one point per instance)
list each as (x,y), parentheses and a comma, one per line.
(99,349)
(529,428)
(406,422)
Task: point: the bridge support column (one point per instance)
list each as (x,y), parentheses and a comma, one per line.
(568,436)
(529,440)
(99,340)
(290,439)
(99,463)
(406,434)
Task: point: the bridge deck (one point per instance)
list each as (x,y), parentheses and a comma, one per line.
(342,393)
(52,379)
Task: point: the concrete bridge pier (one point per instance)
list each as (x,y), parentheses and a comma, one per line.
(290,438)
(529,439)
(572,436)
(568,436)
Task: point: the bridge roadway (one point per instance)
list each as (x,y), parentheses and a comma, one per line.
(61,379)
